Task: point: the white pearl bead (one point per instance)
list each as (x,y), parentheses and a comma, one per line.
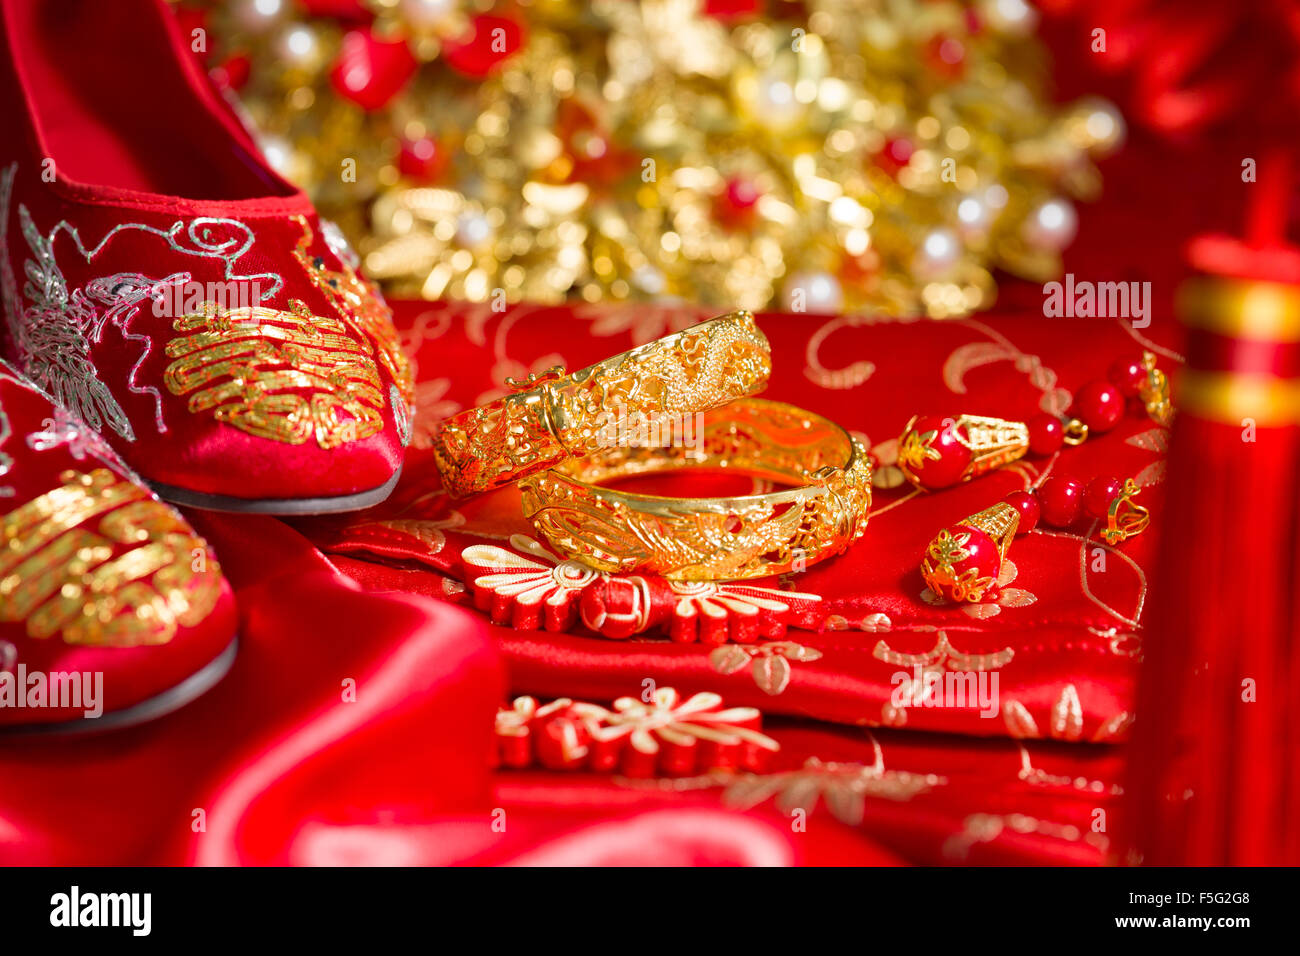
(1052,225)
(813,292)
(278,153)
(973,215)
(473,230)
(427,13)
(1014,17)
(1105,127)
(776,103)
(939,251)
(257,15)
(649,279)
(298,46)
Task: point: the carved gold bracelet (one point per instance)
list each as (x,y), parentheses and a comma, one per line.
(706,539)
(555,416)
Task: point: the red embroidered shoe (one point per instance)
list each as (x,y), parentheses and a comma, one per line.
(112,610)
(164,284)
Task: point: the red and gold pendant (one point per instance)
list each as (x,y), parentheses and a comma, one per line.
(936,452)
(962,563)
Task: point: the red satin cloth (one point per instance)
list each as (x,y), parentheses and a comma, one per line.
(284,770)
(356,724)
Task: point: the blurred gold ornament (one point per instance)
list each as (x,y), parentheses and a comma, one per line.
(883,156)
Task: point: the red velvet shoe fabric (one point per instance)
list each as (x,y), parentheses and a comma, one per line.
(163,283)
(112,609)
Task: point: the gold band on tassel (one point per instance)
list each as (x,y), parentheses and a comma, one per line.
(708,539)
(1234,397)
(1260,311)
(556,416)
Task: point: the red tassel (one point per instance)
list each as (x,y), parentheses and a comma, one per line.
(1213,774)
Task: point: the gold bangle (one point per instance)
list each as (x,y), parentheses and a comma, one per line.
(708,539)
(557,416)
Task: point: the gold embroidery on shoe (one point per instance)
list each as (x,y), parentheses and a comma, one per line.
(287,376)
(64,579)
(361,307)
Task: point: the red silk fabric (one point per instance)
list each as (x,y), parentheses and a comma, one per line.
(356,723)
(1066,632)
(285,771)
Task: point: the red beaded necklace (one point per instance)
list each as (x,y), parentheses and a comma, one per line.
(936,452)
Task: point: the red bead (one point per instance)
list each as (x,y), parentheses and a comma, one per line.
(741,192)
(969,572)
(1046,434)
(1100,493)
(423,159)
(896,154)
(946,56)
(1027,505)
(736,204)
(233,73)
(1128,375)
(932,452)
(371,72)
(1061,501)
(1099,405)
(729,10)
(491,40)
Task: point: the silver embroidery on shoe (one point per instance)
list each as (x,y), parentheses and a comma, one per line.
(51,340)
(54,333)
(338,243)
(66,429)
(123,295)
(6,460)
(63,428)
(13,304)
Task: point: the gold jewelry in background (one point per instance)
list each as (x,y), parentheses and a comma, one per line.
(557,416)
(707,539)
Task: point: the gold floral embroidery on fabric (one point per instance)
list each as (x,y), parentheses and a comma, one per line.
(943,653)
(1041,778)
(987,827)
(771,662)
(361,307)
(428,531)
(1065,719)
(844,787)
(129,579)
(250,367)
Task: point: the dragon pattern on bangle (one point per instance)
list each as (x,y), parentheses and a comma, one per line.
(708,539)
(556,416)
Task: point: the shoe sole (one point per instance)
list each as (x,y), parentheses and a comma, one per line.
(172,699)
(276,506)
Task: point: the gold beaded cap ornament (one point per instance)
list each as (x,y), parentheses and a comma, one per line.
(836,155)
